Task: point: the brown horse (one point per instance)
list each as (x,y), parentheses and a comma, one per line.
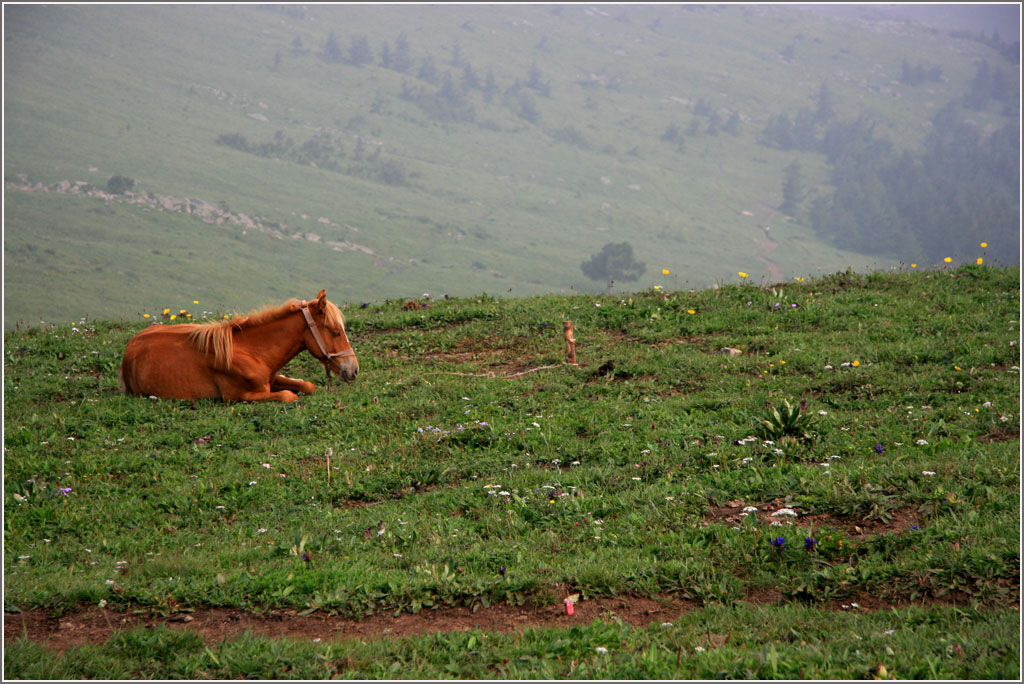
(238,359)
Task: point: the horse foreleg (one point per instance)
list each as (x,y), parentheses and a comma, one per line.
(283,395)
(280,382)
(234,388)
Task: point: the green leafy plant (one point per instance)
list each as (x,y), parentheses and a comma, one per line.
(786,420)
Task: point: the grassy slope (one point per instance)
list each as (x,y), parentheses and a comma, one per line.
(498,208)
(649,445)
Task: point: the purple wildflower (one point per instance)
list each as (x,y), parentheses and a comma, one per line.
(879,449)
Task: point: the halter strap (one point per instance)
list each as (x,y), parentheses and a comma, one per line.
(320,340)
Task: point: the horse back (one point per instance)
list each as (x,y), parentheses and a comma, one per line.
(162,361)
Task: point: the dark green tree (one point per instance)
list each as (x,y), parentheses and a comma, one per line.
(778,132)
(470,81)
(359,52)
(614,262)
(824,110)
(535,81)
(332,50)
(428,70)
(490,86)
(805,130)
(118,185)
(672,133)
(400,58)
(792,189)
(732,126)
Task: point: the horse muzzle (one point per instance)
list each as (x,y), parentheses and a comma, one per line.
(347,369)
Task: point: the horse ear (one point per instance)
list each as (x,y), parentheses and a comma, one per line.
(321,297)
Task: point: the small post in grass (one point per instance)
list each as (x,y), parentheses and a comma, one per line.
(330,451)
(570,344)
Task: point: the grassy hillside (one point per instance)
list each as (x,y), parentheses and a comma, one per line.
(461,190)
(467,468)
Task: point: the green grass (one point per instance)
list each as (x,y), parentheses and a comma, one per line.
(598,480)
(496,204)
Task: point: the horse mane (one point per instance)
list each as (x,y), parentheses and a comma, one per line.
(218,337)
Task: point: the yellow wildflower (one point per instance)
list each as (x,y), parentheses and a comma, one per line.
(948,260)
(855,363)
(665,271)
(195,301)
(913,265)
(166,311)
(980,260)
(690,311)
(984,245)
(173,316)
(145,315)
(742,274)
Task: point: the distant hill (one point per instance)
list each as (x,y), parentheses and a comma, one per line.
(160,155)
(980,18)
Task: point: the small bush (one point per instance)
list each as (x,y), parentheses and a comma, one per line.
(118,185)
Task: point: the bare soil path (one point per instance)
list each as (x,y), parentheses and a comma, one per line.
(93,625)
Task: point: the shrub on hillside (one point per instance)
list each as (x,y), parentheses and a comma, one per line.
(118,185)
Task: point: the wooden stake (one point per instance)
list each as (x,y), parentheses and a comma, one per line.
(330,450)
(570,344)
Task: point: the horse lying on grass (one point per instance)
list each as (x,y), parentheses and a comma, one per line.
(239,359)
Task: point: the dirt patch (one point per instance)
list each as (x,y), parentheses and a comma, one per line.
(508,359)
(735,513)
(1010,434)
(96,625)
(698,341)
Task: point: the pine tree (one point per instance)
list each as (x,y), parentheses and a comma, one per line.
(360,53)
(824,111)
(400,59)
(332,51)
(792,189)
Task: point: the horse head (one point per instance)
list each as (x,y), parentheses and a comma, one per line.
(326,339)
